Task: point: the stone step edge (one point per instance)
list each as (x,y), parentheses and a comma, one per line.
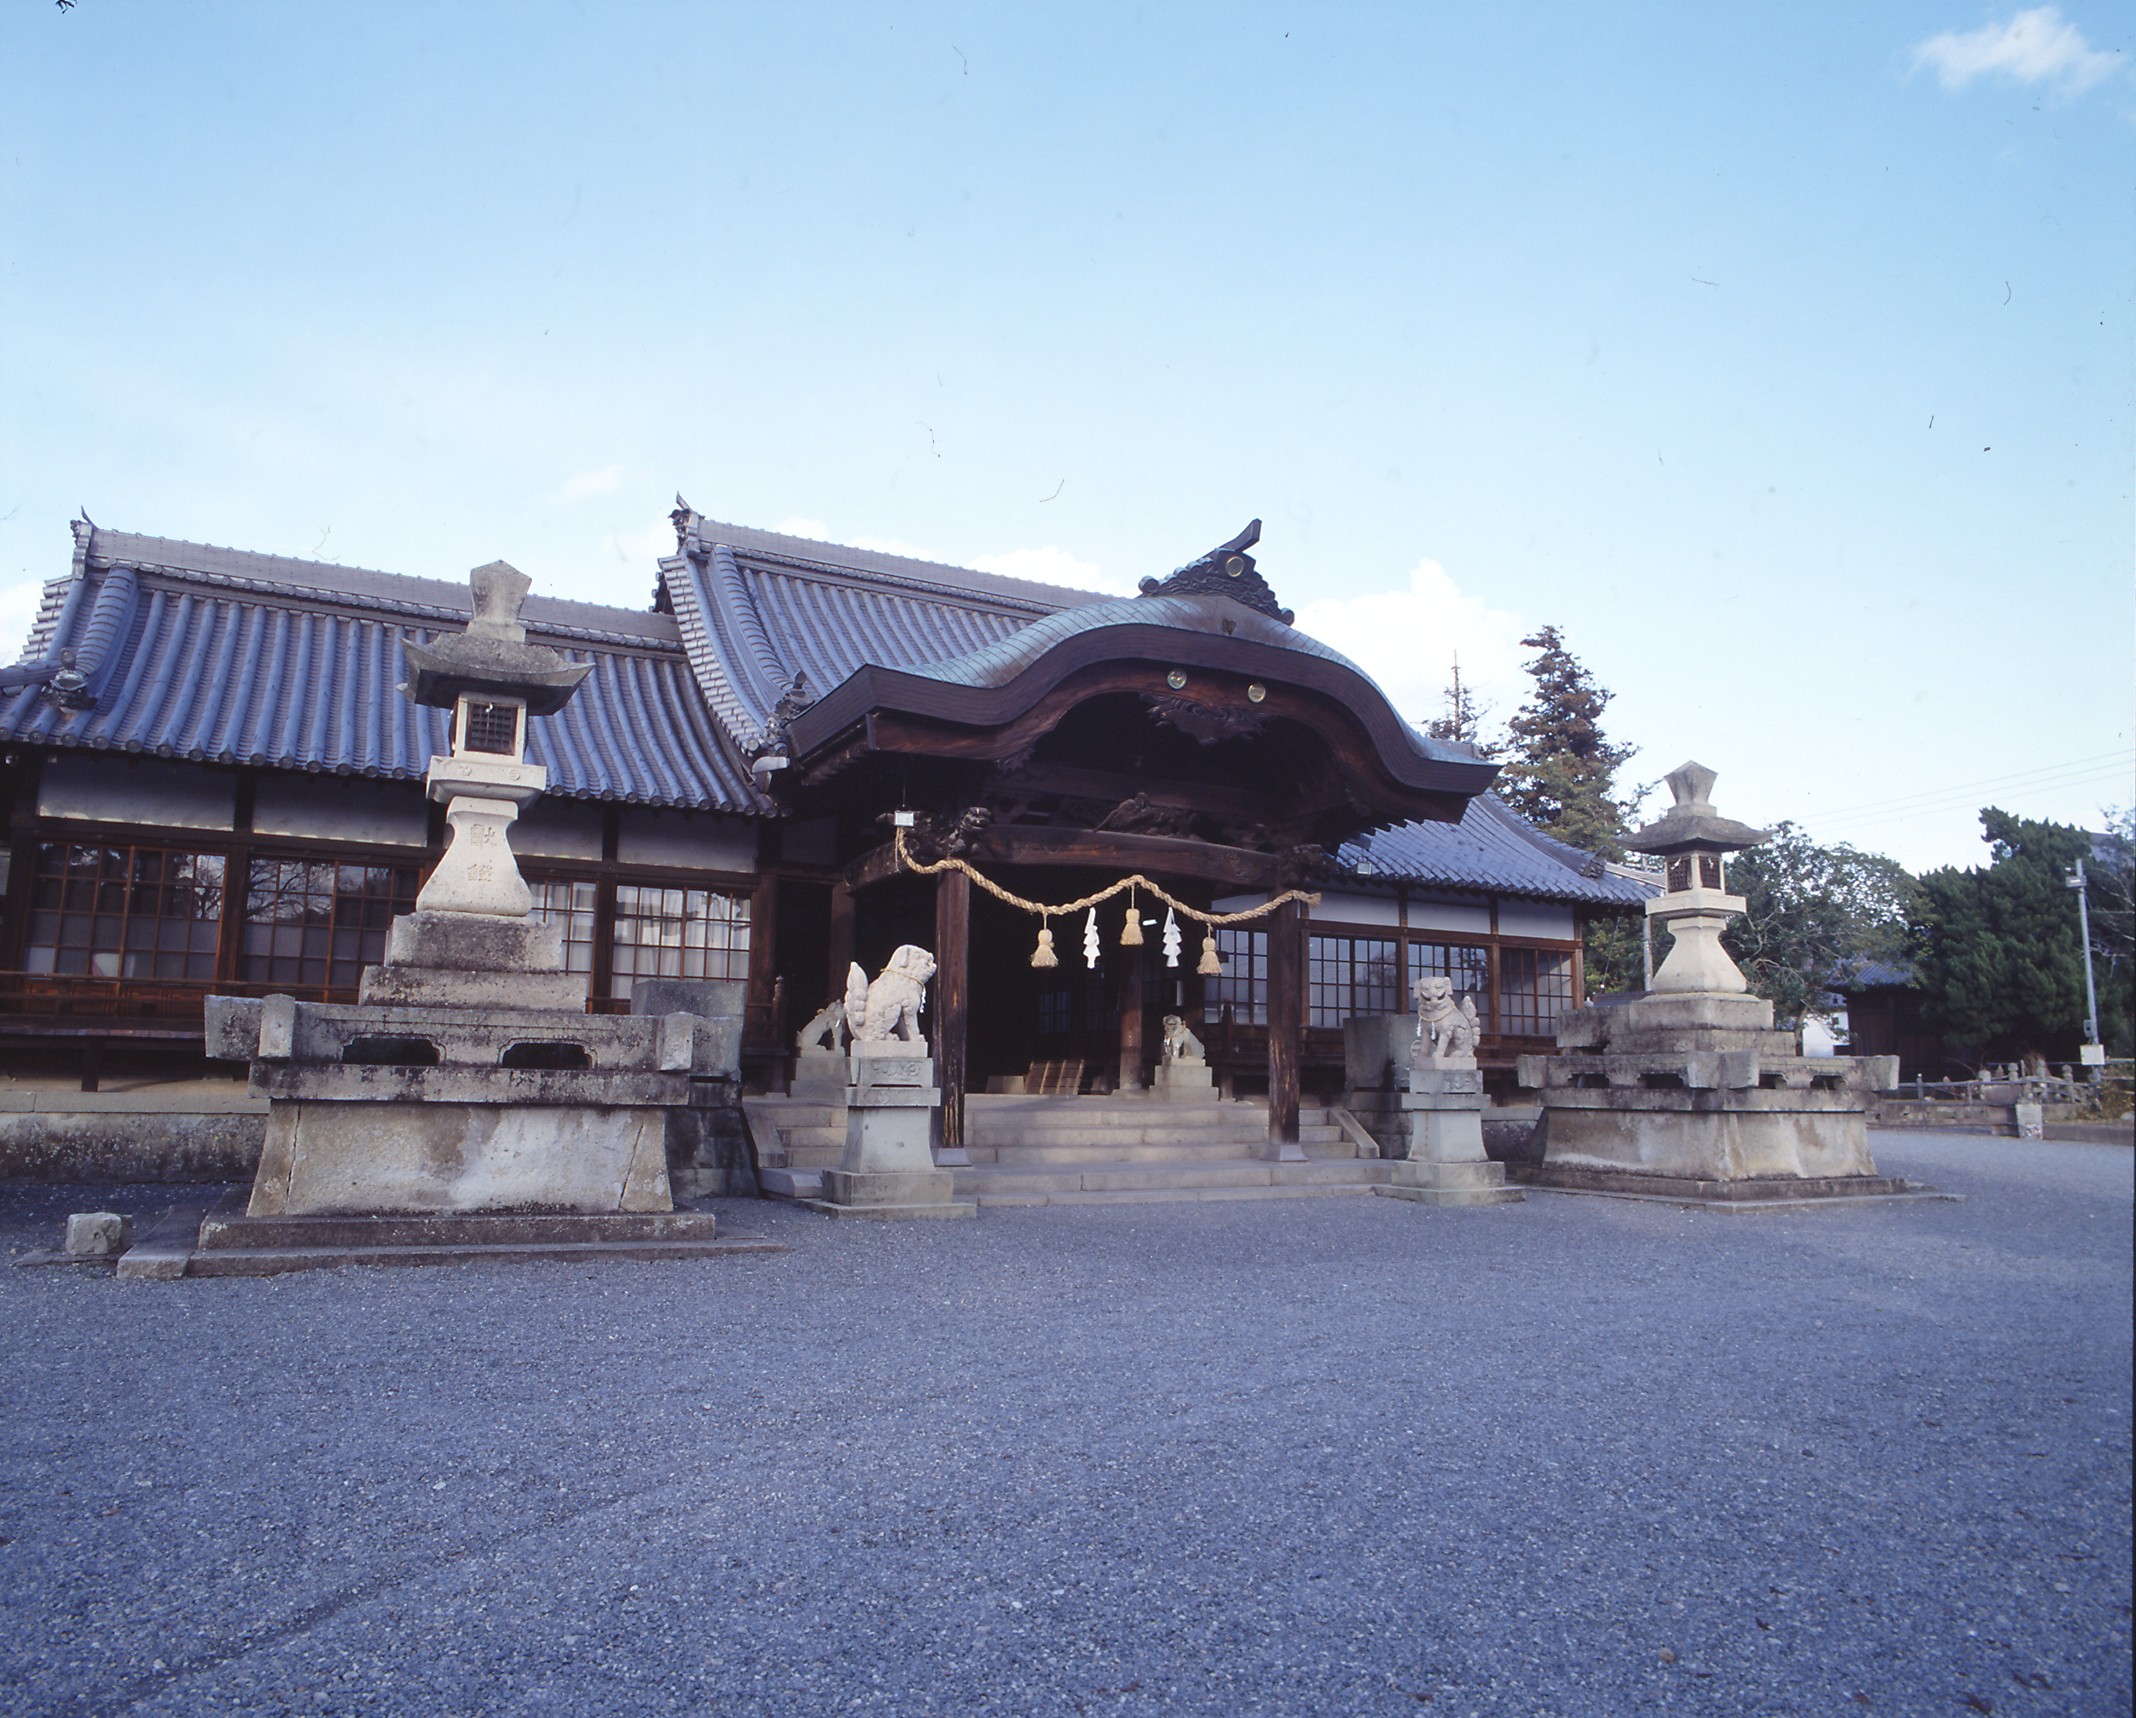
(272,1261)
(228,1232)
(1174,1195)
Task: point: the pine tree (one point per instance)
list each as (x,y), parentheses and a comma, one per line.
(1997,951)
(1563,774)
(1562,779)
(1464,716)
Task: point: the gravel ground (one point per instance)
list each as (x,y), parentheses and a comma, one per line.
(1341,1455)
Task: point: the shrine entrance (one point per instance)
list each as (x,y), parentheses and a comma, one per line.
(1189,737)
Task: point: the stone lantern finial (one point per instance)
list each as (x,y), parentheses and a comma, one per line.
(1692,784)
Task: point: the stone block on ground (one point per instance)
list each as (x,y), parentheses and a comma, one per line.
(98,1234)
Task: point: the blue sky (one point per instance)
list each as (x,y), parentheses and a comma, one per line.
(1781,355)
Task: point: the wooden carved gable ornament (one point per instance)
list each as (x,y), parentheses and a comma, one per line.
(1225,571)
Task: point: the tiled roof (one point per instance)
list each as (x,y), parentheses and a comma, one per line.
(190,651)
(756,608)
(998,661)
(1875,975)
(1493,850)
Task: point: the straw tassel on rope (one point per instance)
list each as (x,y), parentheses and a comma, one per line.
(1043,955)
(1210,966)
(1131,931)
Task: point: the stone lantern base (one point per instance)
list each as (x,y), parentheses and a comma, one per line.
(1695,1097)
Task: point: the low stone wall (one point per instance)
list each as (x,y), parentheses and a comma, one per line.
(1973,1117)
(148,1134)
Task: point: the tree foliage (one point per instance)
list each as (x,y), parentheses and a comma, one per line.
(1562,778)
(1463,717)
(1810,912)
(2000,962)
(1563,772)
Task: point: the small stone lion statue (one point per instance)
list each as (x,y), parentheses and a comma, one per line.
(1180,1044)
(1444,1030)
(888,1011)
(825,1033)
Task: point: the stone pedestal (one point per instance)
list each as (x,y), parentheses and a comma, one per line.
(1187,1080)
(1446,1164)
(888,1169)
(1695,1096)
(377,1110)
(821,1077)
(467,1105)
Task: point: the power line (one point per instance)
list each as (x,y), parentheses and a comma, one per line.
(2121,759)
(1952,802)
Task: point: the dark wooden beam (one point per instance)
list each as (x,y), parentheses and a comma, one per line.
(1166,855)
(764,966)
(1112,786)
(841,938)
(878,866)
(953,920)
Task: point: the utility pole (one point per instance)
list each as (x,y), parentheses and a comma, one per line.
(2076,881)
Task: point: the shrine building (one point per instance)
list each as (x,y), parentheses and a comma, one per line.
(213,783)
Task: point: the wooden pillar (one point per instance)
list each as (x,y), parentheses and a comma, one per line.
(841,960)
(1132,983)
(764,964)
(21,861)
(953,938)
(1286,1020)
(237,886)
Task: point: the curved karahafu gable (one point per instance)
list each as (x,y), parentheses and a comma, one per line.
(1205,665)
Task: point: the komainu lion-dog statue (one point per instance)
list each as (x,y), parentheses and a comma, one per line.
(888,1011)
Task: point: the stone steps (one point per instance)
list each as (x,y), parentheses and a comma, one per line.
(1088,1150)
(1102,1183)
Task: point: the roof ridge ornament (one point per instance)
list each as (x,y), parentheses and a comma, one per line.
(689,530)
(1225,571)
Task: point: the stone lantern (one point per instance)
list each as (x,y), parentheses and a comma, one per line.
(1694,841)
(492,680)
(1688,1092)
(467,1104)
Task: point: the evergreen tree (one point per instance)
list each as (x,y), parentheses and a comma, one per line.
(1810,912)
(1562,778)
(1464,716)
(1997,951)
(1563,774)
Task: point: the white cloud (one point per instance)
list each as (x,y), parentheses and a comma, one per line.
(584,485)
(815,530)
(1052,566)
(1407,639)
(2038,45)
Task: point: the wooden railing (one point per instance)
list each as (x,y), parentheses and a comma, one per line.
(75,1002)
(123,1002)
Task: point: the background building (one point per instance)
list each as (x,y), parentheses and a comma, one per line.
(214,784)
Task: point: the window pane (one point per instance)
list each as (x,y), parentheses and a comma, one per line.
(1536,987)
(666,933)
(1468,966)
(1243,984)
(318,925)
(143,912)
